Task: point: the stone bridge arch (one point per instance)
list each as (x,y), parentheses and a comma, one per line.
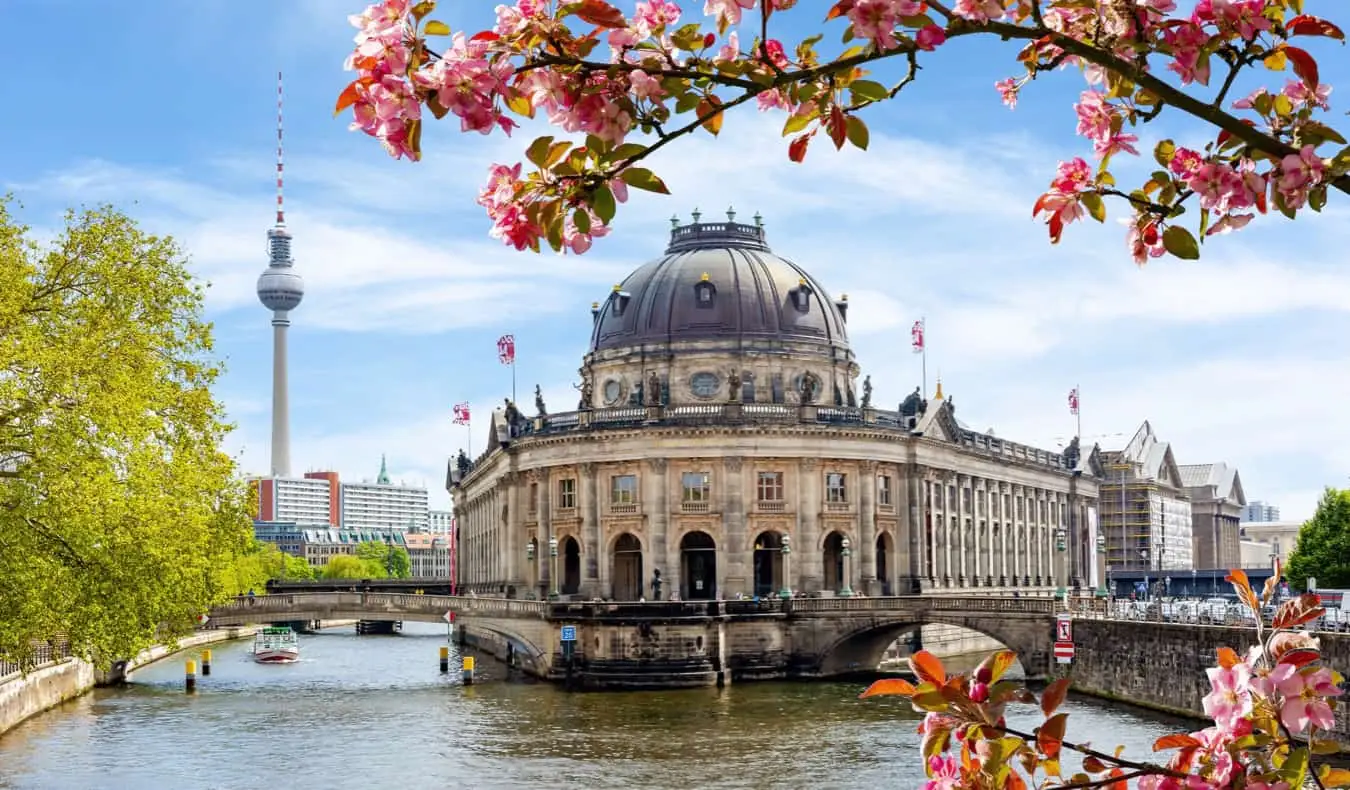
(847,644)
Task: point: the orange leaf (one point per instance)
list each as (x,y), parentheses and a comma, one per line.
(889,687)
(839,9)
(928,668)
(600,13)
(1300,657)
(797,148)
(1334,777)
(1228,658)
(1177,741)
(1297,611)
(1054,696)
(1304,65)
(1050,735)
(837,126)
(710,114)
(1304,25)
(347,98)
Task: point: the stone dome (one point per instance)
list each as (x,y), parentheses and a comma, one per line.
(719,281)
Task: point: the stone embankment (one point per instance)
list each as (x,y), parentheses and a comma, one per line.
(24,696)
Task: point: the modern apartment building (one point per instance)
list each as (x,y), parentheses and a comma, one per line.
(1260,511)
(1145,513)
(309,500)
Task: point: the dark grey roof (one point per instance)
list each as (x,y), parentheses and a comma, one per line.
(755,295)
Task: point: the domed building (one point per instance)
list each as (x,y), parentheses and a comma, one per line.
(723,446)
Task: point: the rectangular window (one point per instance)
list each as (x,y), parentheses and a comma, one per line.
(776,384)
(769,487)
(748,387)
(697,486)
(883,489)
(834,487)
(623,489)
(567,493)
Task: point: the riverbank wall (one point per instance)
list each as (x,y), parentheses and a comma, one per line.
(49,685)
(1162,666)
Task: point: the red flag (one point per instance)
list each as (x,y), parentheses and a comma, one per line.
(506,349)
(916,336)
(461,414)
(1073,401)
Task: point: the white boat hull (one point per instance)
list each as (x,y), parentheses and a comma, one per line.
(276,656)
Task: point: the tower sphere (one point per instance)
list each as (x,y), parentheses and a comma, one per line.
(280,288)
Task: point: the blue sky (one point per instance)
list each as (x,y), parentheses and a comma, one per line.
(167,109)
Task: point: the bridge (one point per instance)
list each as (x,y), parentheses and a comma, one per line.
(680,643)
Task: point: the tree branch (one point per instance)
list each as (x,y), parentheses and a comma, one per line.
(1102,782)
(1147,769)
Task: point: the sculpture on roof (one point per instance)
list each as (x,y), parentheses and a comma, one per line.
(867,392)
(914,405)
(734,386)
(808,388)
(462,463)
(512,415)
(539,402)
(585,387)
(653,389)
(1072,454)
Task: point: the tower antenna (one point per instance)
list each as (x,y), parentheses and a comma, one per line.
(281,208)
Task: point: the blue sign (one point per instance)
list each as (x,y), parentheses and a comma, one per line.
(569,633)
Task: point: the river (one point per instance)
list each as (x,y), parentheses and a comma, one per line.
(374,712)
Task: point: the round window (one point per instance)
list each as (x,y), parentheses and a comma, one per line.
(705,385)
(613,391)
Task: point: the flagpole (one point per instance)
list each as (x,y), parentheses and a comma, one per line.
(513,378)
(1078,411)
(923,323)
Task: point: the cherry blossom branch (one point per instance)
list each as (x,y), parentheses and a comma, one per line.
(1106,782)
(1121,762)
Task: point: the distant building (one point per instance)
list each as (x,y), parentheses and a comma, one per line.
(1144,510)
(1217,501)
(286,535)
(429,554)
(1260,511)
(308,500)
(381,505)
(321,545)
(1280,537)
(1256,554)
(441,522)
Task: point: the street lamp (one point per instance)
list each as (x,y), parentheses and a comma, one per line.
(534,571)
(552,568)
(1101,552)
(845,549)
(1061,546)
(786,549)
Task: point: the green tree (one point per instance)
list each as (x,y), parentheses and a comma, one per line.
(256,564)
(385,559)
(346,566)
(116,503)
(1323,549)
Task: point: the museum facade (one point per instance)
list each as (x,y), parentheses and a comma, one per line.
(723,446)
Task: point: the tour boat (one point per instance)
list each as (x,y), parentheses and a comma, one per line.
(276,645)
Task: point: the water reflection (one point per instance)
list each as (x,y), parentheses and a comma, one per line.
(374,712)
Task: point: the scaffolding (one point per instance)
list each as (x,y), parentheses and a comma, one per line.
(1129,519)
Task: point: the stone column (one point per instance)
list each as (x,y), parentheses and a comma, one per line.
(1018,534)
(867,528)
(910,542)
(810,564)
(545,532)
(590,531)
(997,507)
(733,558)
(963,564)
(656,504)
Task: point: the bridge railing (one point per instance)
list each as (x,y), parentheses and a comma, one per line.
(47,652)
(1045,606)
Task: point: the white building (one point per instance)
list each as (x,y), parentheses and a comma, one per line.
(304,501)
(1260,511)
(321,499)
(441,522)
(428,554)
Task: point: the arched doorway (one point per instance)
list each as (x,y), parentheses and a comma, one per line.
(698,567)
(768,564)
(627,578)
(884,563)
(834,561)
(571,578)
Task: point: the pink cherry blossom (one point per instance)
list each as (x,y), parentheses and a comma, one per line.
(1230,697)
(1007,91)
(945,773)
(979,10)
(1297,91)
(1144,240)
(1257,784)
(876,20)
(930,37)
(1186,41)
(645,86)
(727,12)
(656,14)
(1304,695)
(1299,173)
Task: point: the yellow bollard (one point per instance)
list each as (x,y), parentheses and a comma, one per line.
(466,670)
(206,663)
(190,678)
(445,658)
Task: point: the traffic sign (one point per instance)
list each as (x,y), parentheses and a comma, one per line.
(449,616)
(569,633)
(1064,652)
(1063,628)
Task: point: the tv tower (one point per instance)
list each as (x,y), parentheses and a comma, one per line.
(280,290)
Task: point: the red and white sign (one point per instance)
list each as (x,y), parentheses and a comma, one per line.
(506,349)
(449,616)
(916,336)
(1064,628)
(1064,652)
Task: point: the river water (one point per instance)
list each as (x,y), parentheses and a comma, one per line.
(374,712)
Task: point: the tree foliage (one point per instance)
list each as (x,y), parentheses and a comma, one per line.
(385,560)
(1323,548)
(348,566)
(117,505)
(661,81)
(256,564)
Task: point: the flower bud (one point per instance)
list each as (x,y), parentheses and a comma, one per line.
(979,692)
(984,674)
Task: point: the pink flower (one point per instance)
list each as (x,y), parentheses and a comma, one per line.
(1230,697)
(979,10)
(1298,174)
(876,20)
(644,85)
(727,12)
(1186,41)
(1144,240)
(1257,784)
(930,37)
(656,14)
(1007,91)
(1297,91)
(1304,694)
(944,773)
(731,50)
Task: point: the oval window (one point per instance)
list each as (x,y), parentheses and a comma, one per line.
(705,385)
(613,391)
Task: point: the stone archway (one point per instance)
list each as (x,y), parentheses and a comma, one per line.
(861,647)
(698,567)
(571,562)
(626,579)
(832,561)
(768,564)
(885,558)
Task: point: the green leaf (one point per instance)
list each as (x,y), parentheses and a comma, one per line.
(1179,241)
(857,132)
(602,201)
(436,28)
(1164,152)
(797,122)
(642,178)
(538,151)
(582,219)
(1094,205)
(868,90)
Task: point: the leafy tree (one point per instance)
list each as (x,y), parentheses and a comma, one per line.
(117,506)
(256,564)
(386,560)
(1323,548)
(653,81)
(346,566)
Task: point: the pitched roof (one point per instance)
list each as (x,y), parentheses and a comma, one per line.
(1220,478)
